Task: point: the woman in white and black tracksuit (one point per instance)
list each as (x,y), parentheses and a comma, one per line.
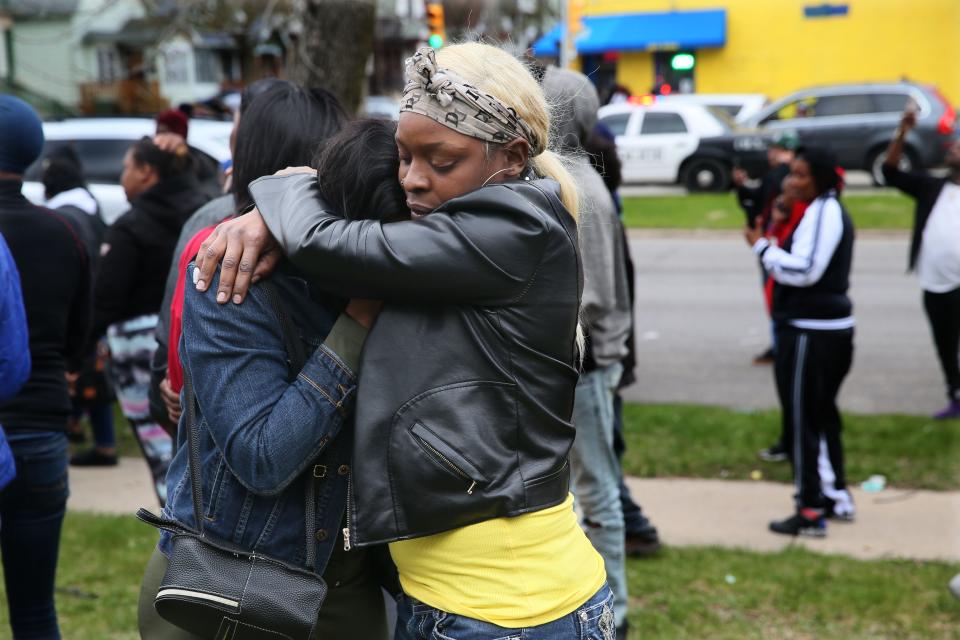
(814,327)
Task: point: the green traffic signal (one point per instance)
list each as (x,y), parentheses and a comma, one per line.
(435,40)
(683,62)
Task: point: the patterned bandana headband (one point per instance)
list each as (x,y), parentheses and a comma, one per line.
(441,95)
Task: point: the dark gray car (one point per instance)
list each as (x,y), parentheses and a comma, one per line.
(857,121)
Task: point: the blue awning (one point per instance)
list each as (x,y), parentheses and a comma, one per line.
(642,31)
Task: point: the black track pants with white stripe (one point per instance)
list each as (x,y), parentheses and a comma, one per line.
(810,368)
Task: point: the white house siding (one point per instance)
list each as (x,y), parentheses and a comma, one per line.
(177,72)
(43,59)
(102,17)
(48,55)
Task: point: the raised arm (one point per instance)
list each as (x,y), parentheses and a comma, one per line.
(911,183)
(268,429)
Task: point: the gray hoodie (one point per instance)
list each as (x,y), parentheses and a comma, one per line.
(605,308)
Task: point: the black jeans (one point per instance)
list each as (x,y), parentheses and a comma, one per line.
(634,522)
(31,515)
(943,312)
(810,368)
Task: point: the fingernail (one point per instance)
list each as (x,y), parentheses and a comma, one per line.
(201,285)
(222,296)
(196,276)
(237,299)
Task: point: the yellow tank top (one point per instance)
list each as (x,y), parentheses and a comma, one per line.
(513,572)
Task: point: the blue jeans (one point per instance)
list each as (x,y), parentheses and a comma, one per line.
(593,620)
(595,476)
(31,514)
(101,422)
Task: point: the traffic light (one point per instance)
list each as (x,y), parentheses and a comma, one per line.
(435,23)
(683,62)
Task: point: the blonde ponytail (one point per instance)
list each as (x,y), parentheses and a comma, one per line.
(550,164)
(495,71)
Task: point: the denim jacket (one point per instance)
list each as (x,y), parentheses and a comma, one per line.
(263,436)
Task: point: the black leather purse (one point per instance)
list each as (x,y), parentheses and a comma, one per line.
(215,589)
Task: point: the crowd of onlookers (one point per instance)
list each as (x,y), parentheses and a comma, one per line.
(91,314)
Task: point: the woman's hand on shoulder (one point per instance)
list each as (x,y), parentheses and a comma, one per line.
(245,251)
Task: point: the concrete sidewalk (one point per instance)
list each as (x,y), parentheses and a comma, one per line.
(923,525)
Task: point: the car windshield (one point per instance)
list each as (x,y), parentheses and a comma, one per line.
(723,117)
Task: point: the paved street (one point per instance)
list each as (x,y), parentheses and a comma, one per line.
(701,319)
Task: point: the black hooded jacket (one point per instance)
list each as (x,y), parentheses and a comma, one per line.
(138,249)
(55,279)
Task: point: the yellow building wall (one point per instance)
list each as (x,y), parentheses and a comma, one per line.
(773,49)
(635,71)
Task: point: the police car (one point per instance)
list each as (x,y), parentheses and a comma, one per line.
(680,143)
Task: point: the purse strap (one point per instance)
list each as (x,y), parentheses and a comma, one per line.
(296,358)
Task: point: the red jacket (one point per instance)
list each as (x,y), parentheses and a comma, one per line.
(174,370)
(780,231)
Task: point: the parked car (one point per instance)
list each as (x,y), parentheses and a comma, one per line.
(857,121)
(690,144)
(101,144)
(381,107)
(739,106)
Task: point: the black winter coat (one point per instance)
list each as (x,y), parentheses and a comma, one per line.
(138,250)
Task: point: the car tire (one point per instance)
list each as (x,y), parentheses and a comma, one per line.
(706,174)
(875,164)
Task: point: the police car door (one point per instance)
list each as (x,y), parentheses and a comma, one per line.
(664,141)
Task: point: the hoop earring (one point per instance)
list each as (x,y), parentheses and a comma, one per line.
(493,174)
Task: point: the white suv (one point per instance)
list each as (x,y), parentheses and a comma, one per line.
(101,144)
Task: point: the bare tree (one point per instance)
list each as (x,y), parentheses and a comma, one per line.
(333,48)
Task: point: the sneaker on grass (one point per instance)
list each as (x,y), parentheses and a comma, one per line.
(949,412)
(809,523)
(776,453)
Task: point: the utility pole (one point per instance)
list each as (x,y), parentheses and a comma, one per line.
(571,20)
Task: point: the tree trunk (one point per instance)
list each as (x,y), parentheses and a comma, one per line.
(333,49)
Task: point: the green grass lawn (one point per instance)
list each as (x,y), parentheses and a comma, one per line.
(685,593)
(682,593)
(712,442)
(721,211)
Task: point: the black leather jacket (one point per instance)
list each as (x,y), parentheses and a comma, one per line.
(467,377)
